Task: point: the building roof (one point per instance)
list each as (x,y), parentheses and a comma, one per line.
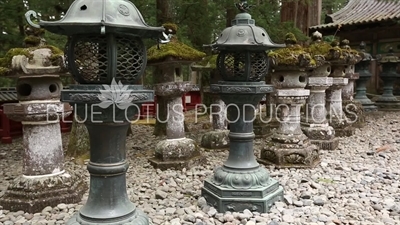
(360,12)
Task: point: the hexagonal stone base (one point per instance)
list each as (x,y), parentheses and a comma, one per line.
(290,155)
(176,154)
(137,218)
(234,200)
(216,139)
(32,195)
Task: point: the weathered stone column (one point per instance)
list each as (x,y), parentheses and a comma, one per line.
(387,101)
(218,137)
(336,116)
(288,146)
(342,60)
(44,180)
(314,123)
(362,68)
(352,109)
(176,151)
(261,120)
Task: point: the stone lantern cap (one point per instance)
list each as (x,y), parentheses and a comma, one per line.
(390,57)
(292,56)
(208,63)
(244,35)
(173,51)
(99,17)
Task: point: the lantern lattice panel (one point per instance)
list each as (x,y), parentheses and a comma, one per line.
(243,66)
(99,59)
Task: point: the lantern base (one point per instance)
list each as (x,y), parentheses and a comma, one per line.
(343,128)
(354,112)
(136,218)
(228,195)
(33,194)
(216,139)
(305,155)
(177,153)
(322,136)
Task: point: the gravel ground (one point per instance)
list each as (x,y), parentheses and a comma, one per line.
(352,185)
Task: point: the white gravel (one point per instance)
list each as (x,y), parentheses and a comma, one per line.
(352,185)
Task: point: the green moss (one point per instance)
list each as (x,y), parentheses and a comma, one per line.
(319,48)
(6,60)
(4,71)
(292,56)
(174,49)
(32,40)
(171,26)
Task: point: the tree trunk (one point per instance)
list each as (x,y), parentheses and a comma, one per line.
(302,13)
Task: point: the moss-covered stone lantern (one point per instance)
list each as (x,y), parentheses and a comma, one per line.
(314,122)
(44,180)
(105,54)
(176,151)
(241,183)
(288,146)
(218,137)
(342,59)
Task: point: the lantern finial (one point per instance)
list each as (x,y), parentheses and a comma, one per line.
(243,6)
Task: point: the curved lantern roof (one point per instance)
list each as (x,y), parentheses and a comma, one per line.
(244,35)
(100,16)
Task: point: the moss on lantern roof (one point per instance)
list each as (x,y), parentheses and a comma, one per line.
(5,62)
(292,55)
(174,49)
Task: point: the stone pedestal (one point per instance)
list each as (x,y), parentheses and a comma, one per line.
(352,109)
(288,147)
(218,137)
(44,181)
(336,116)
(241,183)
(176,151)
(387,101)
(314,123)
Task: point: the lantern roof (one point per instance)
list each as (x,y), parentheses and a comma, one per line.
(100,16)
(244,34)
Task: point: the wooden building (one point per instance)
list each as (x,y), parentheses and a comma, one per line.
(375,22)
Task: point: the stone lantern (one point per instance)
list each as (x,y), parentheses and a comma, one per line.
(289,146)
(342,60)
(363,69)
(44,180)
(387,101)
(218,137)
(352,109)
(314,122)
(176,151)
(241,183)
(106,55)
